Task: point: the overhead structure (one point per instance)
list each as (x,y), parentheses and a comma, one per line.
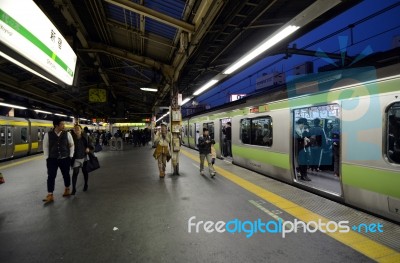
(135,51)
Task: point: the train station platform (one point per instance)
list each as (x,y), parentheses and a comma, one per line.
(129,214)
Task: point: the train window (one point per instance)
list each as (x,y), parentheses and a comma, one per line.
(2,135)
(261,131)
(9,136)
(245,130)
(257,131)
(39,135)
(393,133)
(210,127)
(24,135)
(191,130)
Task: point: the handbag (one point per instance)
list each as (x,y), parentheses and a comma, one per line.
(92,163)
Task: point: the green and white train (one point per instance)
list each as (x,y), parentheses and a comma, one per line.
(364,104)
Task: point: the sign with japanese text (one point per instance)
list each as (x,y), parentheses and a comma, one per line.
(25,29)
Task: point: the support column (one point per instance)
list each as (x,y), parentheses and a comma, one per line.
(176,127)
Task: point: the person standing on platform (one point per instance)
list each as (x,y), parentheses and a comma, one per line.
(162,139)
(204,146)
(58,149)
(82,148)
(301,143)
(228,138)
(335,133)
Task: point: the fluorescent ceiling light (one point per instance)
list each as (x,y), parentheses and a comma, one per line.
(185,101)
(271,41)
(43,111)
(12,106)
(72,117)
(206,86)
(24,67)
(162,117)
(61,115)
(149,89)
(83,119)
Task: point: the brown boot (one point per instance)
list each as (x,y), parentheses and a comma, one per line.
(162,174)
(48,199)
(66,192)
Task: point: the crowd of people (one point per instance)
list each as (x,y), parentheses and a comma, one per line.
(317,146)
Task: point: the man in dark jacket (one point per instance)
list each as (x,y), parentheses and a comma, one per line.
(205,152)
(302,142)
(228,138)
(58,149)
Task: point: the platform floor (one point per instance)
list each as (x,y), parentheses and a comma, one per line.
(130,215)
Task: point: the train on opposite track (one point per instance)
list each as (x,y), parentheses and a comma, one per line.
(362,104)
(21,137)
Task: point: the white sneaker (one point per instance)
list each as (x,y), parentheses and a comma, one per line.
(202,173)
(212,175)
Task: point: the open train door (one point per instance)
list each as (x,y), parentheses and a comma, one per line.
(316,147)
(226,145)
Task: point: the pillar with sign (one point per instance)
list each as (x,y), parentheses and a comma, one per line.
(175,128)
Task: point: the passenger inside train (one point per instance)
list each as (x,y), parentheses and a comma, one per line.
(317,147)
(394,134)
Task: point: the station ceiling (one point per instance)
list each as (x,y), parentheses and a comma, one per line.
(124,45)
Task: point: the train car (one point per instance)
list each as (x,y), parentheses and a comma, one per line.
(38,128)
(20,137)
(359,167)
(14,137)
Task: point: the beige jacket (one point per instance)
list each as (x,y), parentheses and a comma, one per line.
(163,142)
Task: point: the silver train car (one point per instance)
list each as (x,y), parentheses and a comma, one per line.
(364,106)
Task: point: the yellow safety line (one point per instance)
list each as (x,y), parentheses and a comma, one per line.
(356,241)
(19,162)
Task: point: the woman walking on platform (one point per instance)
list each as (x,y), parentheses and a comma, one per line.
(162,140)
(82,148)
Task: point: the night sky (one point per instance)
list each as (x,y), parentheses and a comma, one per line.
(373,35)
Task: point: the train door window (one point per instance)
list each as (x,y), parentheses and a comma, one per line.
(191,130)
(2,135)
(393,133)
(210,127)
(245,130)
(39,135)
(9,136)
(261,131)
(316,146)
(24,135)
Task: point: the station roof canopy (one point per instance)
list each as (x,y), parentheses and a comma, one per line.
(125,45)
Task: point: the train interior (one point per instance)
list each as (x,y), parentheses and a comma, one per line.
(316,147)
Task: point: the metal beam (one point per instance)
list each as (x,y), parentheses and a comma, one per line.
(142,27)
(150,37)
(128,77)
(206,14)
(12,85)
(313,53)
(123,54)
(148,12)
